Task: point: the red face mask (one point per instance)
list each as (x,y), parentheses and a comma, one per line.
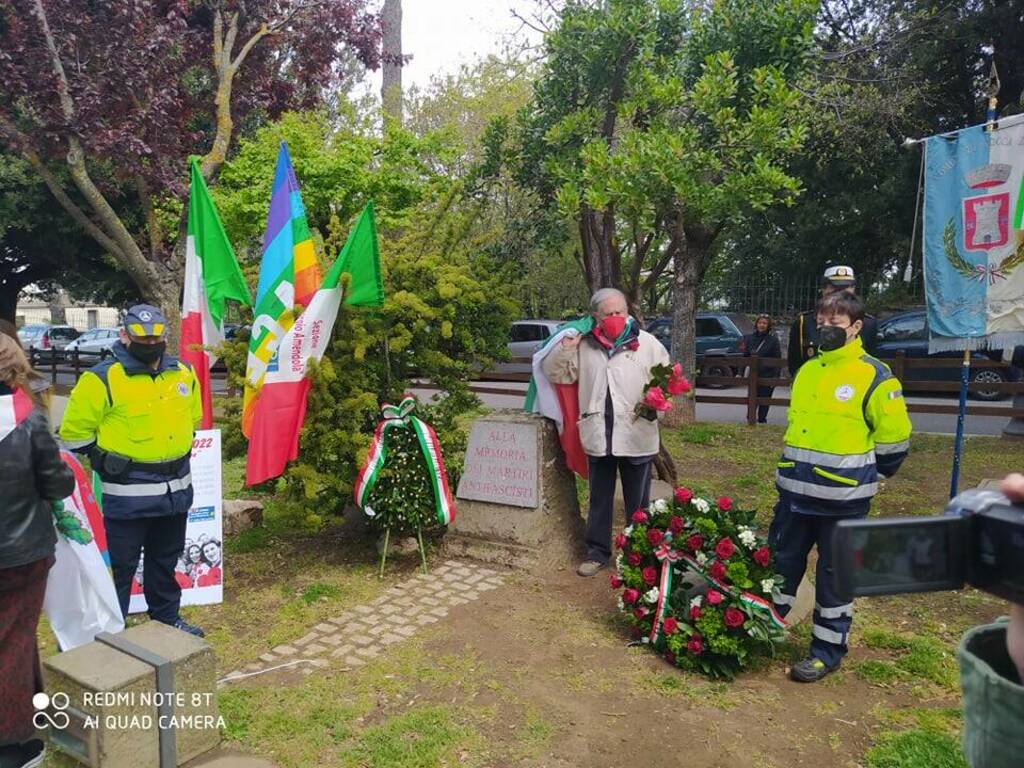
(612,326)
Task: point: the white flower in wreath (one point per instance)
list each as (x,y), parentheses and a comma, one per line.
(660,506)
(628,530)
(702,506)
(748,537)
(652,596)
(697,601)
(369,511)
(621,605)
(768,586)
(618,563)
(702,559)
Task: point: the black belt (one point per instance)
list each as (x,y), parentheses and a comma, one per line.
(115,465)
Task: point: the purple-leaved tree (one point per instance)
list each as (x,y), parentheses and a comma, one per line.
(106,101)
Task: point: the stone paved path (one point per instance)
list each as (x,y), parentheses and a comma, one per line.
(360,635)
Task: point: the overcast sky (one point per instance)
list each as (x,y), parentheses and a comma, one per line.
(441,35)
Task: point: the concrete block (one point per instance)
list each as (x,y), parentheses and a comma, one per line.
(114,705)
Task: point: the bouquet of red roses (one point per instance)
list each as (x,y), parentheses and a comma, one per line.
(696,581)
(666,382)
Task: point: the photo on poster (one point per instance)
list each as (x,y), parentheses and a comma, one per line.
(200,567)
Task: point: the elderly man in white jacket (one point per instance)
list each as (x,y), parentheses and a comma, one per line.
(611,365)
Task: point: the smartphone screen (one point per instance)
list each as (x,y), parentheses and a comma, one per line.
(897,555)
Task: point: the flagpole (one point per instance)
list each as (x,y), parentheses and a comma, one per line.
(965,368)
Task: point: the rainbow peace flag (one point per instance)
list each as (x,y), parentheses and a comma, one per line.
(289,276)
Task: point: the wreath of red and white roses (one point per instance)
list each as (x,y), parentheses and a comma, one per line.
(697,582)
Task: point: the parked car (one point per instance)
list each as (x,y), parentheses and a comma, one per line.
(526,336)
(27,334)
(232,332)
(49,342)
(718,336)
(94,343)
(907,332)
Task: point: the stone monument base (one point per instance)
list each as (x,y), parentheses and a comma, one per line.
(507,531)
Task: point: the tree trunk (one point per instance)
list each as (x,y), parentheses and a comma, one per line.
(666,466)
(689,271)
(391,87)
(58,306)
(9,302)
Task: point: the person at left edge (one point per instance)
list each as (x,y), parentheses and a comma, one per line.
(135,416)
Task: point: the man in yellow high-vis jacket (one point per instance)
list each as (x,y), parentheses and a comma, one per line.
(135,417)
(848,428)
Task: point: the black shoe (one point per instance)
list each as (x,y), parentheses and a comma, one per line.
(28,754)
(184,626)
(811,670)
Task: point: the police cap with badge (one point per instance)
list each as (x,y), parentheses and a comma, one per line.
(145,320)
(840,276)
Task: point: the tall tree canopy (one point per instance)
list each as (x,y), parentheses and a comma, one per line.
(885,70)
(656,125)
(105,101)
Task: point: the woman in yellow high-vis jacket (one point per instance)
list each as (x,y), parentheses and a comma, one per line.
(848,428)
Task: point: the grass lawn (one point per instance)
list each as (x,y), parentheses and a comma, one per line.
(540,675)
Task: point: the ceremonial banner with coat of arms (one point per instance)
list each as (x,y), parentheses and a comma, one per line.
(974,237)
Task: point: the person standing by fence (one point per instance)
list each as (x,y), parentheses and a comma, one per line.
(803,336)
(764,343)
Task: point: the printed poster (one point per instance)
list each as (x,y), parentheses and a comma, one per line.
(200,567)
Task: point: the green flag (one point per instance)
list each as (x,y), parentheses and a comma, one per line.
(361,259)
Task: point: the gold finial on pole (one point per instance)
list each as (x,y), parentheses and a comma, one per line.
(993,93)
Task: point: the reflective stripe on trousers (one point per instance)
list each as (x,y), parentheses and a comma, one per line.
(835,612)
(828,635)
(782,599)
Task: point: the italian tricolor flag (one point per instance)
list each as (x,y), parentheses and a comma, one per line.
(560,402)
(14,409)
(211,277)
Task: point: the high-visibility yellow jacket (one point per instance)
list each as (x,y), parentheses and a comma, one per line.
(848,425)
(130,410)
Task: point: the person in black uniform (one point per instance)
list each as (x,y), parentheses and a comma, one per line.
(803,335)
(764,343)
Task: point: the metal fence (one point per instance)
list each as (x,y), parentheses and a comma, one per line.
(784,297)
(903,368)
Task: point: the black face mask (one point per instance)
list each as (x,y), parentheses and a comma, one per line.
(831,337)
(147,354)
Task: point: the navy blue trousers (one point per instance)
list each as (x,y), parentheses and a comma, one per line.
(791,536)
(636,493)
(163,539)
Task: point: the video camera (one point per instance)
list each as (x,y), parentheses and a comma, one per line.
(978,541)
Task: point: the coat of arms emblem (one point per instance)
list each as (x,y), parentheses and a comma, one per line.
(986,217)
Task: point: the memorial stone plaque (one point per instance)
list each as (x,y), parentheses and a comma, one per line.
(517,499)
(501,464)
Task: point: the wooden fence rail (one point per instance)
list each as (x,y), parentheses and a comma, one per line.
(902,367)
(749,369)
